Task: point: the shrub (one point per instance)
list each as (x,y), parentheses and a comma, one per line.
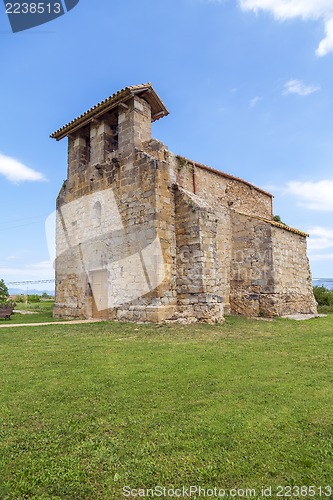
(277,218)
(324,297)
(10,303)
(33,298)
(20,298)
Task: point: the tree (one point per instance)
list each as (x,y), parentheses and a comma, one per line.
(3,292)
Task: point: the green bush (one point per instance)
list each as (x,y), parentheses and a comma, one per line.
(33,298)
(277,218)
(324,297)
(20,299)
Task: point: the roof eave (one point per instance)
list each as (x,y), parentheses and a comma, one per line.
(275,224)
(158,108)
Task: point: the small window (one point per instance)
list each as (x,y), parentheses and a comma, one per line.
(88,150)
(114,138)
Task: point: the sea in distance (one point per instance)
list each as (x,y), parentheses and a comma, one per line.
(326,282)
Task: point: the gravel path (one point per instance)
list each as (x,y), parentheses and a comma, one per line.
(302,317)
(74,322)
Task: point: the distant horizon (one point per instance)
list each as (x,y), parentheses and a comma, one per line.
(31,291)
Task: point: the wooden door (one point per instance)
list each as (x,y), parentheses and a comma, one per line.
(99,286)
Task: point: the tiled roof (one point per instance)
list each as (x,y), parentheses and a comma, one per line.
(277,224)
(145,91)
(223,174)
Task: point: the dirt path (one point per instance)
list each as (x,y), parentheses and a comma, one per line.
(302,317)
(74,322)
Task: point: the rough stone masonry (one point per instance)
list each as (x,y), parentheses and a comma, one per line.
(144,235)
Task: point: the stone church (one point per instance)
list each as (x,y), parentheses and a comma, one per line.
(144,235)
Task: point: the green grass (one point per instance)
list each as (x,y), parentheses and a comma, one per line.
(88,409)
(42,313)
(43,305)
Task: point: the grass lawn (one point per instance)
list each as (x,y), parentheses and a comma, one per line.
(42,313)
(89,409)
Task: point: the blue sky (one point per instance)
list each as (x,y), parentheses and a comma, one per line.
(248,84)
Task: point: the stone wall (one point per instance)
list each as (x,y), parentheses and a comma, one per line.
(251,271)
(172,239)
(199,265)
(134,240)
(270,274)
(222,190)
(292,275)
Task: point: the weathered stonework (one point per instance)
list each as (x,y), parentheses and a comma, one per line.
(144,235)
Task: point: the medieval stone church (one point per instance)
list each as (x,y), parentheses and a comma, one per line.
(144,235)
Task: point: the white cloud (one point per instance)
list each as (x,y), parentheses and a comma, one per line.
(287,9)
(304,9)
(15,171)
(326,45)
(313,195)
(273,188)
(321,238)
(255,101)
(298,87)
(319,257)
(320,244)
(30,272)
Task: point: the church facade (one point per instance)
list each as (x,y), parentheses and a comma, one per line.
(145,235)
